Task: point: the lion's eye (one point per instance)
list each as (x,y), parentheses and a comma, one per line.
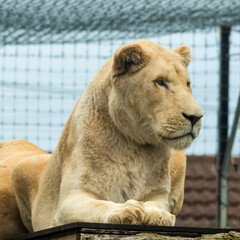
(189,84)
(161,82)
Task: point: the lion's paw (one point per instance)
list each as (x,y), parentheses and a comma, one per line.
(131,212)
(159,217)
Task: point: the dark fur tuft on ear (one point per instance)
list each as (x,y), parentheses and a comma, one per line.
(129,58)
(185,53)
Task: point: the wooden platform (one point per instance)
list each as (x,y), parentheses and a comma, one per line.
(93,231)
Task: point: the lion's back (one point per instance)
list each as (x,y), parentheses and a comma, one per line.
(11,153)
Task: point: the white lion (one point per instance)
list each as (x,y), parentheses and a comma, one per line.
(114,162)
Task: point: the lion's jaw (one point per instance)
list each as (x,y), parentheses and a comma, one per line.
(150,113)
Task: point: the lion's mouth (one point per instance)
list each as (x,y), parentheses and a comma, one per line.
(182,136)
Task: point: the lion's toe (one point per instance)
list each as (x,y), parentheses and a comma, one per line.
(159,217)
(131,212)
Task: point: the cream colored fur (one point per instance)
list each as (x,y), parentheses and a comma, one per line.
(114,161)
(11,153)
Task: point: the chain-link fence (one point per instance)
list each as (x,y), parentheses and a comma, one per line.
(50,50)
(71,21)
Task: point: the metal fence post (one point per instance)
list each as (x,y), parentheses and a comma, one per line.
(222,181)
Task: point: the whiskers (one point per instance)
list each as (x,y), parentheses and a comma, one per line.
(159,139)
(158,136)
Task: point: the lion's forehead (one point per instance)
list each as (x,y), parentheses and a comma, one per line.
(169,68)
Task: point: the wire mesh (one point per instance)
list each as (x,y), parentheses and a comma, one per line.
(44,21)
(50,50)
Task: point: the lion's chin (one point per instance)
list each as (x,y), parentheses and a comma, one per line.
(179,143)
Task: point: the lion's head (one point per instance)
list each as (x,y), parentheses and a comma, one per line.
(151,98)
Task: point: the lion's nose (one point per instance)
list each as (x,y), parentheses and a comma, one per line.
(192,118)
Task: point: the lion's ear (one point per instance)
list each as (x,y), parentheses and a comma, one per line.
(185,53)
(129,58)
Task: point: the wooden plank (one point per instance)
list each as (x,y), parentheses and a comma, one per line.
(97,231)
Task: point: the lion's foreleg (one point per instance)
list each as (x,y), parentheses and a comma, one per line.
(176,197)
(82,207)
(177,172)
